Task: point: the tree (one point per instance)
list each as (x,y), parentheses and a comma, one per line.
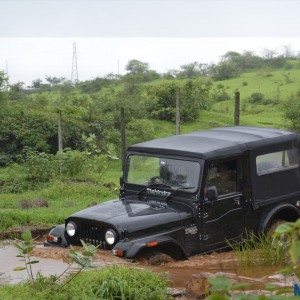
(16,91)
(135,66)
(225,70)
(54,80)
(139,71)
(37,83)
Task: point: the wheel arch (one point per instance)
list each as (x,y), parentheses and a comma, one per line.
(170,248)
(284,211)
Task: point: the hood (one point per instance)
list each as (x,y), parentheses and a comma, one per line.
(133,215)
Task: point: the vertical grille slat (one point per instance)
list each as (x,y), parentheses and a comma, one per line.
(93,233)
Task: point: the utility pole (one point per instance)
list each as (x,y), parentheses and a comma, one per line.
(123,136)
(59,131)
(177,111)
(118,67)
(237,108)
(74,72)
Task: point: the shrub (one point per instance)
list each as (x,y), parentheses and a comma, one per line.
(194,96)
(288,66)
(139,130)
(71,162)
(114,282)
(256,97)
(40,167)
(261,250)
(292,112)
(244,83)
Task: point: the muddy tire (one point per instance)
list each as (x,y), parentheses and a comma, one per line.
(272,227)
(158,258)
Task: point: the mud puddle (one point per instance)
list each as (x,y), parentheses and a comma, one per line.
(9,261)
(181,272)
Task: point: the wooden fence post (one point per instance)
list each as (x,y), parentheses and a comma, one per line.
(237,108)
(123,136)
(177,111)
(59,131)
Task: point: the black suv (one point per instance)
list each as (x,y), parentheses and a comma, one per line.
(193,193)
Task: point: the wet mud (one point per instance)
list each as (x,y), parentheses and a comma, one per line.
(54,260)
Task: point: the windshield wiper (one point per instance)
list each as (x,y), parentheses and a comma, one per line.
(150,186)
(174,192)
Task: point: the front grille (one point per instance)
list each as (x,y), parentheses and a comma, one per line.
(93,233)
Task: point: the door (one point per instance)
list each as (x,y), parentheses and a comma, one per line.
(223,217)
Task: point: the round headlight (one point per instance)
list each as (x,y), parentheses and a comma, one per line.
(110,236)
(71,229)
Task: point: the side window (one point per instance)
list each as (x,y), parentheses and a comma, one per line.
(223,175)
(276,161)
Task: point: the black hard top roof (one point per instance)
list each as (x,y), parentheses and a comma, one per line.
(218,142)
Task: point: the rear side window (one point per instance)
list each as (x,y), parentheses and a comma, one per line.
(276,161)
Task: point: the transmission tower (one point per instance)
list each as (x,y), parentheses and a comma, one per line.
(74,73)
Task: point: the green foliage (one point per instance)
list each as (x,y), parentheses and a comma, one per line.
(139,130)
(25,247)
(292,111)
(261,250)
(220,93)
(256,97)
(115,282)
(83,258)
(225,70)
(194,95)
(40,167)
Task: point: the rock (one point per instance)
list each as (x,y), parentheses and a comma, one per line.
(197,287)
(176,292)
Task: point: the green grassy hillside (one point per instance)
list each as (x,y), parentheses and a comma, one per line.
(67,196)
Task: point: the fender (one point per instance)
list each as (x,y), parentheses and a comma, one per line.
(133,247)
(267,218)
(59,233)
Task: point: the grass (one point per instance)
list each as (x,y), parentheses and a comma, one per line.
(108,283)
(261,250)
(63,198)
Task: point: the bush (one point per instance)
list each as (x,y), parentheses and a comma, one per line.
(261,250)
(139,131)
(292,112)
(244,83)
(71,162)
(256,97)
(108,283)
(40,167)
(194,96)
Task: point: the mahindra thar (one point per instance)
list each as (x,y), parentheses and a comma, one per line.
(192,193)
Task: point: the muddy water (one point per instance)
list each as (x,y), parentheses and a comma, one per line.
(54,261)
(9,261)
(181,271)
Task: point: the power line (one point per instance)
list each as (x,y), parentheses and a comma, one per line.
(74,73)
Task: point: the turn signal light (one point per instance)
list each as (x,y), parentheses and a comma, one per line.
(152,244)
(118,252)
(51,238)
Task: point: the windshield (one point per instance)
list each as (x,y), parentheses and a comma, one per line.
(175,173)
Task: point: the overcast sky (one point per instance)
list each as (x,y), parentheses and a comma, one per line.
(36,37)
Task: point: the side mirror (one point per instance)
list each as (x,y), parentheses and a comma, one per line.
(212,193)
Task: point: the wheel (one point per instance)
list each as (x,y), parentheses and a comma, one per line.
(272,227)
(157,258)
